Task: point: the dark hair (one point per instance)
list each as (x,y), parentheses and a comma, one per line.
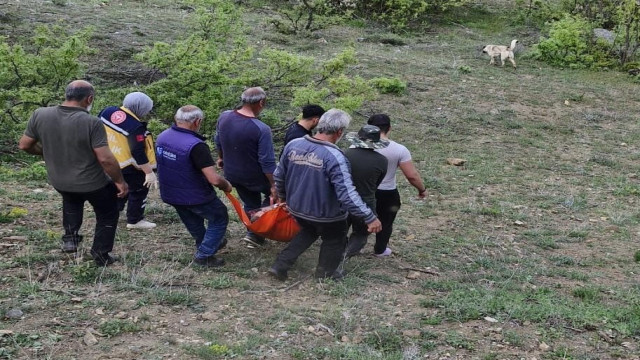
(380,120)
(77,92)
(310,111)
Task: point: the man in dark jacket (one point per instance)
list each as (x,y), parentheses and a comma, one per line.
(310,116)
(368,168)
(245,152)
(185,173)
(313,178)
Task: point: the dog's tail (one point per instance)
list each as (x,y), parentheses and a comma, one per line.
(514,42)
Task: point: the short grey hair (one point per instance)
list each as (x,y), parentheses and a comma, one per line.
(333,121)
(189,114)
(253,95)
(78,91)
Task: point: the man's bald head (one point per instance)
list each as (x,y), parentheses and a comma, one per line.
(78,90)
(253,95)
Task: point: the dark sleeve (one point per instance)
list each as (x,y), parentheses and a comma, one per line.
(201,156)
(137,145)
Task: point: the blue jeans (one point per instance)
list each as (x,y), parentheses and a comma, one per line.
(207,240)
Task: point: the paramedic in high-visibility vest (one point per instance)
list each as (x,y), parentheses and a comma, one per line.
(133,147)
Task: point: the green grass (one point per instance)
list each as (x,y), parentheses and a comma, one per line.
(564,273)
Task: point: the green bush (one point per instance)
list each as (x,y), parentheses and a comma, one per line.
(35,75)
(397,14)
(569,45)
(389,86)
(209,69)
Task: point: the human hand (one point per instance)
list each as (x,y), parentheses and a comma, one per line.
(219,163)
(375,226)
(123,189)
(274,195)
(151,180)
(422,194)
(227,188)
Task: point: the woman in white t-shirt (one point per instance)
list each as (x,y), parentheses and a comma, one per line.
(387,195)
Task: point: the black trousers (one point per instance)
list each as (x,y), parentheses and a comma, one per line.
(333,235)
(105,205)
(387,206)
(136,200)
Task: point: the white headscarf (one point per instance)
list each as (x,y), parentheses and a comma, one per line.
(139,103)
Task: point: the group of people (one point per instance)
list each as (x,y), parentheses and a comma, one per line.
(110,162)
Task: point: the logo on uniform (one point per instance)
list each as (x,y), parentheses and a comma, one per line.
(118,117)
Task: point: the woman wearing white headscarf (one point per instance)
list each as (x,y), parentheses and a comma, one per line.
(132,145)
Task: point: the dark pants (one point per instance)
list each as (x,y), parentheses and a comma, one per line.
(253,199)
(207,239)
(387,206)
(105,205)
(137,198)
(333,237)
(358,237)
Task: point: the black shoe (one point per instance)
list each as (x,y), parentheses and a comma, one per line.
(278,274)
(223,244)
(253,241)
(105,260)
(337,275)
(70,243)
(210,261)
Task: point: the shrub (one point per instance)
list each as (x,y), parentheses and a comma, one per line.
(35,75)
(209,69)
(568,45)
(389,86)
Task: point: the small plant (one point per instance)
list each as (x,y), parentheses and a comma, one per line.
(60,2)
(14,213)
(117,326)
(465,69)
(85,273)
(219,282)
(636,256)
(586,293)
(389,86)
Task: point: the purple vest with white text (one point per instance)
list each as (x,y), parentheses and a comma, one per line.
(180,182)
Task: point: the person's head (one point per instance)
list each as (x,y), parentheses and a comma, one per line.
(79,93)
(333,122)
(368,137)
(382,121)
(189,117)
(311,115)
(139,103)
(255,98)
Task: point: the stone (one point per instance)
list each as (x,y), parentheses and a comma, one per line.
(14,314)
(412,275)
(544,347)
(490,319)
(604,34)
(89,339)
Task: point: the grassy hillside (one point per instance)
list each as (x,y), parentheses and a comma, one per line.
(529,250)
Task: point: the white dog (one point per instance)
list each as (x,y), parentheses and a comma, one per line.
(505,52)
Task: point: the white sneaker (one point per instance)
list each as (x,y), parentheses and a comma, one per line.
(385,253)
(142,224)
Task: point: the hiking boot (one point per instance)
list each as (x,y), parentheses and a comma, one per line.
(253,241)
(385,253)
(142,224)
(210,261)
(70,243)
(278,274)
(106,259)
(223,244)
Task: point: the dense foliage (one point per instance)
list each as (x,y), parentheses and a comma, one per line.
(36,74)
(571,40)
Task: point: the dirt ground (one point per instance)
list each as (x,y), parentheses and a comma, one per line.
(528,251)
